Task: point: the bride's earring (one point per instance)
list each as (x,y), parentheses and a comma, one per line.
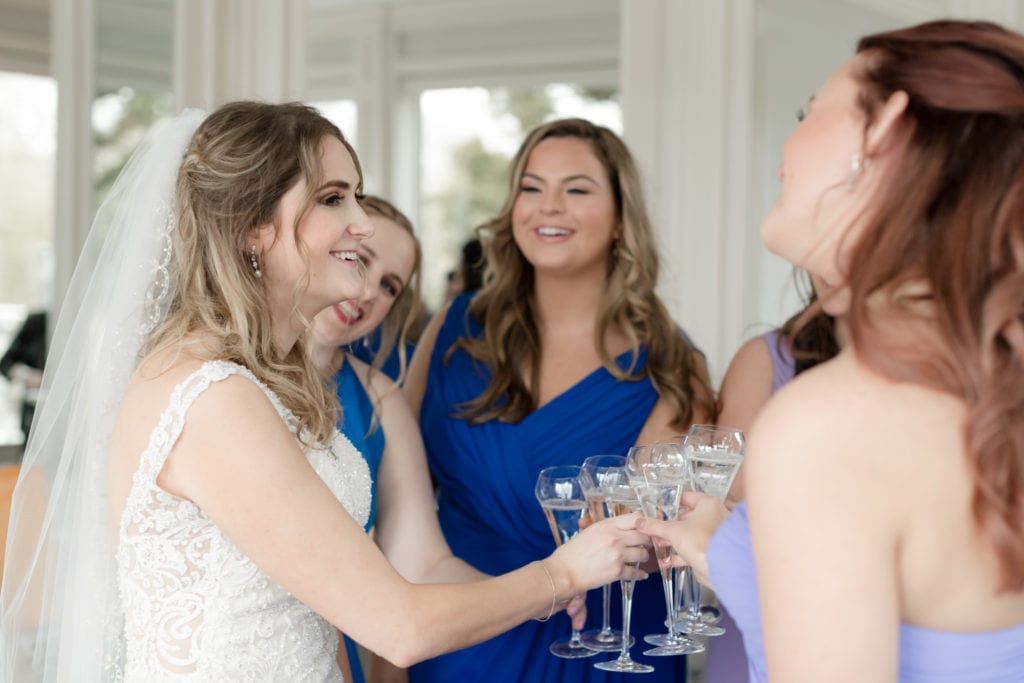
(254,261)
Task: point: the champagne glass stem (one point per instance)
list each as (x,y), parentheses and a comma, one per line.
(575,638)
(606,624)
(666,582)
(694,586)
(679,583)
(627,612)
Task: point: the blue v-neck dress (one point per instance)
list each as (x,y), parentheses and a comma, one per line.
(486,474)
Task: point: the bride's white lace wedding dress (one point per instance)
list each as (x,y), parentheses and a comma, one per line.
(195,607)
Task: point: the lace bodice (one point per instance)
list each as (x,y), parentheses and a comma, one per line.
(195,607)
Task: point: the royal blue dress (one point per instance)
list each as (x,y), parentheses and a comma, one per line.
(357,418)
(366,350)
(491,519)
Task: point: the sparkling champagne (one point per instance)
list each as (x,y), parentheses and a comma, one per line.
(598,509)
(713,471)
(563,517)
(621,500)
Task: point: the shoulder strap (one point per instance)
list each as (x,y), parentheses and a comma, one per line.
(172,420)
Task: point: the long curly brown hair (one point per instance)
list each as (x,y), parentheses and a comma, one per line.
(505,304)
(810,333)
(951,215)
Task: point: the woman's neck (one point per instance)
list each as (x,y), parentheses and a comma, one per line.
(567,304)
(327,358)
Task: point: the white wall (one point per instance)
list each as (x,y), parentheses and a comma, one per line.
(710,89)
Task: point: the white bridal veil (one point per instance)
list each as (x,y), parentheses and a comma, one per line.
(59,609)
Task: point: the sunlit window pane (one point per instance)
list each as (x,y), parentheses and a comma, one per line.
(120,120)
(342,113)
(28,138)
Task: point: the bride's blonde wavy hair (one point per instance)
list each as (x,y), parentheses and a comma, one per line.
(505,304)
(243,158)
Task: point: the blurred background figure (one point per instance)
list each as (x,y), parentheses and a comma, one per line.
(23,362)
(469,276)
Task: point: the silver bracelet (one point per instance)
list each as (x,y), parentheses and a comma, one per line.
(554,599)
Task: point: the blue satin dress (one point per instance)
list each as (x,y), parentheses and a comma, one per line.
(491,519)
(366,350)
(357,418)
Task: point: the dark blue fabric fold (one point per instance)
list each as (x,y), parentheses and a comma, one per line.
(490,517)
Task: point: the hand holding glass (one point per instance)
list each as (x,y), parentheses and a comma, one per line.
(664,472)
(713,455)
(598,473)
(561,496)
(620,499)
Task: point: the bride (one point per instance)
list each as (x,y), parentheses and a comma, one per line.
(178,512)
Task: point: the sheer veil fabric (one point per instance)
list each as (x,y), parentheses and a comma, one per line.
(59,608)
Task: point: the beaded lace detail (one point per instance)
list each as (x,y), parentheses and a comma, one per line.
(196,608)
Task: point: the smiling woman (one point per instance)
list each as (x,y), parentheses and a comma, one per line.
(566,352)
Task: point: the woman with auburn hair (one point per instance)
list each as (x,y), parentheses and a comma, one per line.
(565,353)
(204,516)
(888,531)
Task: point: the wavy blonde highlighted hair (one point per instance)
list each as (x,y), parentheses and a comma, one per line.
(243,158)
(505,304)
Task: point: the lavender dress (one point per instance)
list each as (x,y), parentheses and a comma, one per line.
(926,656)
(727,660)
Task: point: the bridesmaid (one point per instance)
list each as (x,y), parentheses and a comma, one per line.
(761,367)
(765,364)
(385,309)
(566,352)
(885,537)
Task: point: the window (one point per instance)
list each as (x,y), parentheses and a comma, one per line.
(342,113)
(468,137)
(28,136)
(120,120)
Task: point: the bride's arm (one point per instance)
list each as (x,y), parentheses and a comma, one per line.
(241,466)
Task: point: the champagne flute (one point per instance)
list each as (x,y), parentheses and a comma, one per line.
(664,471)
(560,495)
(713,455)
(597,473)
(621,499)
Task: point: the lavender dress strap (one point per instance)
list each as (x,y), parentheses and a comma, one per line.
(727,659)
(783,365)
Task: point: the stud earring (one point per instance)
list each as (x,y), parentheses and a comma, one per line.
(254,261)
(857,166)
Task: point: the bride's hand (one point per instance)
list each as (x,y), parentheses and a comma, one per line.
(603,552)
